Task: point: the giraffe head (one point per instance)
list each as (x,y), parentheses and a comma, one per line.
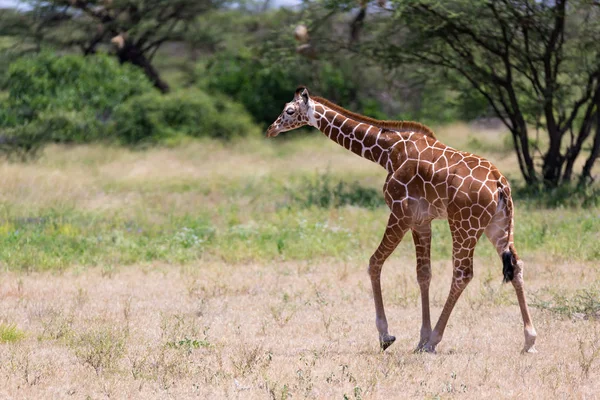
(295,114)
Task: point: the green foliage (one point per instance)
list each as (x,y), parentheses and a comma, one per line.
(558,197)
(9,333)
(263,87)
(67,126)
(90,26)
(63,99)
(152,118)
(49,82)
(21,143)
(75,99)
(321,191)
(262,90)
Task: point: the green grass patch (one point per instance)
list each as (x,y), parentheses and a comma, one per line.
(565,196)
(9,333)
(60,238)
(583,304)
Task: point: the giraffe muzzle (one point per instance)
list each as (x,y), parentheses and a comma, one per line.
(273,131)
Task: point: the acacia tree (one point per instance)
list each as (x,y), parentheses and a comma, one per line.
(536,62)
(137,28)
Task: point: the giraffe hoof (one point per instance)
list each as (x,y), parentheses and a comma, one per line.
(386,341)
(427,349)
(530,350)
(419,349)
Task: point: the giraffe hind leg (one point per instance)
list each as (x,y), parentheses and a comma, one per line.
(499,233)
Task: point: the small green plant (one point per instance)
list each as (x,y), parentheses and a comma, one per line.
(587,355)
(188,344)
(249,358)
(100,347)
(56,325)
(9,333)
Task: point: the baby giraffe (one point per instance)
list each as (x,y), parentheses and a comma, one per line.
(426,180)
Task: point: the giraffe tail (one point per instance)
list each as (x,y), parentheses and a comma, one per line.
(508,269)
(509,256)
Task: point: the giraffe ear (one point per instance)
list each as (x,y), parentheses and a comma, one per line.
(303,93)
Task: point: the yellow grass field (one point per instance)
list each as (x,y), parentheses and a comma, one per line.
(111,287)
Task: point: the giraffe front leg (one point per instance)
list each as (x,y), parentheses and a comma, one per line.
(391,238)
(458,285)
(422,240)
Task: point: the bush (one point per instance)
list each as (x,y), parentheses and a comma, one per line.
(24,141)
(73,83)
(264,87)
(153,118)
(321,191)
(76,99)
(63,99)
(62,126)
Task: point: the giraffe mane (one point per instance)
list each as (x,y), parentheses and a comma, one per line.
(400,126)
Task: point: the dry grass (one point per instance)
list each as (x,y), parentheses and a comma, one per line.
(281,320)
(286,330)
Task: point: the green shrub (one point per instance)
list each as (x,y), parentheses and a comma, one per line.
(152,118)
(76,99)
(262,90)
(563,196)
(264,87)
(321,191)
(50,82)
(63,99)
(22,142)
(63,126)
(9,333)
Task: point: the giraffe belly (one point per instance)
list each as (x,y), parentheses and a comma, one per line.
(416,211)
(415,200)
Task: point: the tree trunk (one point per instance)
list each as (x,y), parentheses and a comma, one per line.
(586,172)
(553,160)
(131,53)
(522,148)
(589,117)
(574,150)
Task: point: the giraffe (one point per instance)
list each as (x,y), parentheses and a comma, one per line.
(426,180)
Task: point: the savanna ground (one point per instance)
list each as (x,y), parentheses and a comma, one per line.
(239,271)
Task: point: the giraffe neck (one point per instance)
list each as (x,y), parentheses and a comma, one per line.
(361,138)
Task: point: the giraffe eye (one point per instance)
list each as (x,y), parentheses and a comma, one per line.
(290,111)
